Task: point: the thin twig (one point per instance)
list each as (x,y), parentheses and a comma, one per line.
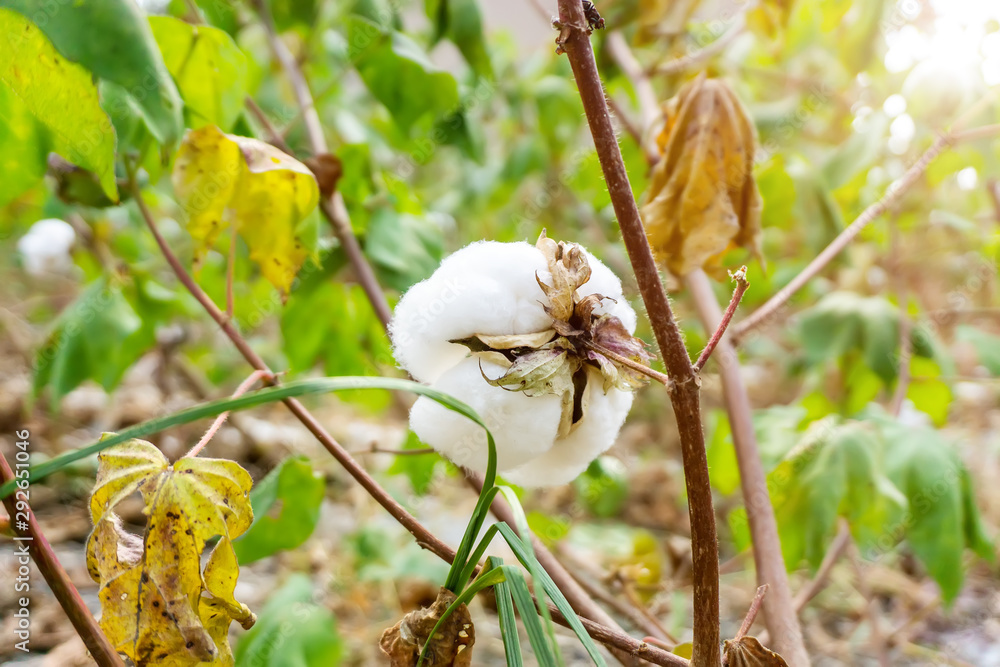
(333,208)
(904,373)
(221,419)
(779,614)
(685,63)
(276,137)
(29,535)
(869,215)
(398,452)
(629,363)
(574,39)
(818,582)
(426,539)
(230,271)
(755,604)
(741,288)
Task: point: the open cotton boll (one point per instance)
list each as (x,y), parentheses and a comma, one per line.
(485,288)
(523,427)
(528,343)
(571,455)
(45,248)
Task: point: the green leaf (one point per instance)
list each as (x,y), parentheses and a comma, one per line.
(285,508)
(398,73)
(942,518)
(928,393)
(529,616)
(89,341)
(292,631)
(461,21)
(844,321)
(290,13)
(208,67)
(987,346)
(419,468)
(603,487)
(112,39)
(35,79)
(406,248)
(833,472)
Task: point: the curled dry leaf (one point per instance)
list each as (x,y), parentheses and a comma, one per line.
(748,652)
(561,361)
(222,180)
(157,605)
(451,645)
(702,197)
(327,169)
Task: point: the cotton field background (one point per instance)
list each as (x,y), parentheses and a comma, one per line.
(458,332)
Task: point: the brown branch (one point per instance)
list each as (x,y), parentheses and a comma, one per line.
(333,207)
(755,604)
(28,533)
(276,138)
(629,363)
(741,288)
(779,613)
(869,215)
(685,63)
(426,539)
(574,39)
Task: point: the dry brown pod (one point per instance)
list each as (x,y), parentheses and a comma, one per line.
(451,645)
(702,198)
(748,652)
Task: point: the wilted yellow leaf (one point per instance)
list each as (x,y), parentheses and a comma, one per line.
(152,591)
(222,180)
(702,197)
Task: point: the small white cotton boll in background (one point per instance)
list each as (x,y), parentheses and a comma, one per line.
(593,436)
(485,288)
(45,248)
(523,427)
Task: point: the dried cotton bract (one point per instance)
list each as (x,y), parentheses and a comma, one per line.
(702,197)
(525,335)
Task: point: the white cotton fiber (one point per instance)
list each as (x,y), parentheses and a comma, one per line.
(523,427)
(491,288)
(485,288)
(46,247)
(571,455)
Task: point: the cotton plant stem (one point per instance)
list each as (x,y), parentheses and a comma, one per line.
(574,39)
(221,419)
(610,636)
(892,196)
(333,207)
(779,611)
(28,533)
(630,363)
(758,600)
(741,288)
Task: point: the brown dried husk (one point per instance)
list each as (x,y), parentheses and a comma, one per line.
(451,645)
(749,652)
(702,198)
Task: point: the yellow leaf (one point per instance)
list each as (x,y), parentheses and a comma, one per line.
(702,197)
(222,180)
(153,607)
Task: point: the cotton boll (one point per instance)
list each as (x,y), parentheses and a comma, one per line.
(45,248)
(593,436)
(485,288)
(523,427)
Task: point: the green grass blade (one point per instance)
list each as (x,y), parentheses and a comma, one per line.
(484,544)
(253,399)
(508,621)
(529,616)
(558,599)
(534,567)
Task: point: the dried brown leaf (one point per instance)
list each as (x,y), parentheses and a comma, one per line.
(451,646)
(702,199)
(748,652)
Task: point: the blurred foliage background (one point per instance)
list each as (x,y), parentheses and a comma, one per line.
(455,121)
